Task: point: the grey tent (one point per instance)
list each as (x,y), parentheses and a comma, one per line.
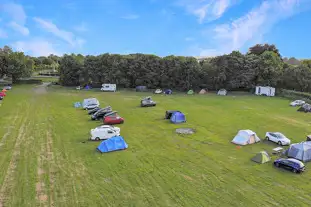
(305,108)
(300,151)
(141,88)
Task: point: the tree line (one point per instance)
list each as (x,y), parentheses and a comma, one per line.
(261,65)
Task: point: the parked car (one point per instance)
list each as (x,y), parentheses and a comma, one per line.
(90,103)
(290,164)
(297,103)
(278,138)
(104,132)
(93,111)
(113,118)
(7,87)
(101,113)
(145,102)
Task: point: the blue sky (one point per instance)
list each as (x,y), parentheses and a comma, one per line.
(161,27)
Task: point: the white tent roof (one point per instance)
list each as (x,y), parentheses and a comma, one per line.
(244,137)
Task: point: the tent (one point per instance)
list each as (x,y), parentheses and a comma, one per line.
(300,151)
(305,108)
(77,105)
(141,88)
(222,92)
(112,144)
(245,137)
(168,91)
(202,91)
(178,117)
(190,92)
(261,157)
(87,87)
(158,91)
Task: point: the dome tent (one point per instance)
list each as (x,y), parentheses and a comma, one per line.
(222,92)
(202,91)
(300,151)
(178,117)
(168,91)
(158,91)
(190,92)
(245,137)
(112,144)
(261,157)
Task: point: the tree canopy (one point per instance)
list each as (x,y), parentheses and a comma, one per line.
(261,65)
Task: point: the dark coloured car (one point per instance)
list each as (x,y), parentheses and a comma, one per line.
(290,164)
(101,113)
(93,111)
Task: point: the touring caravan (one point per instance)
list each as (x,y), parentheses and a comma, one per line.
(109,87)
(265,91)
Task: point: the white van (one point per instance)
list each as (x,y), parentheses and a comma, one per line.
(104,132)
(109,87)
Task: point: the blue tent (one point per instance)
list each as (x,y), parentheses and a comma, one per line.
(178,117)
(77,105)
(168,91)
(112,144)
(87,87)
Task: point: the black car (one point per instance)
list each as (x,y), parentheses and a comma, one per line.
(93,111)
(101,113)
(290,164)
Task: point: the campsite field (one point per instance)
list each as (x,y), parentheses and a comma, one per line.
(46,161)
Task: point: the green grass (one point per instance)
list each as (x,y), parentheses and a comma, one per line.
(44,159)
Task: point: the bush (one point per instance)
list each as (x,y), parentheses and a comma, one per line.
(29,81)
(295,95)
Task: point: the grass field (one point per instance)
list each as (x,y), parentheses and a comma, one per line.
(45,160)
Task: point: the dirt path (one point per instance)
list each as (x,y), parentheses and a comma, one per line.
(41,89)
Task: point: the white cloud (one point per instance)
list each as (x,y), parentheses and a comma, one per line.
(206,9)
(16,11)
(130,16)
(252,26)
(19,28)
(62,34)
(36,47)
(81,27)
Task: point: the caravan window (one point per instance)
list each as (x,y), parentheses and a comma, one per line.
(110,132)
(106,86)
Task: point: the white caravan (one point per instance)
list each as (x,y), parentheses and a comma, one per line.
(265,90)
(109,87)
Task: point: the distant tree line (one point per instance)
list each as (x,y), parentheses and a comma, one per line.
(261,65)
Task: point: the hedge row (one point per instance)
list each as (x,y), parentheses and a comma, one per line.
(295,95)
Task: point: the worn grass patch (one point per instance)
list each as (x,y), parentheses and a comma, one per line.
(46,161)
